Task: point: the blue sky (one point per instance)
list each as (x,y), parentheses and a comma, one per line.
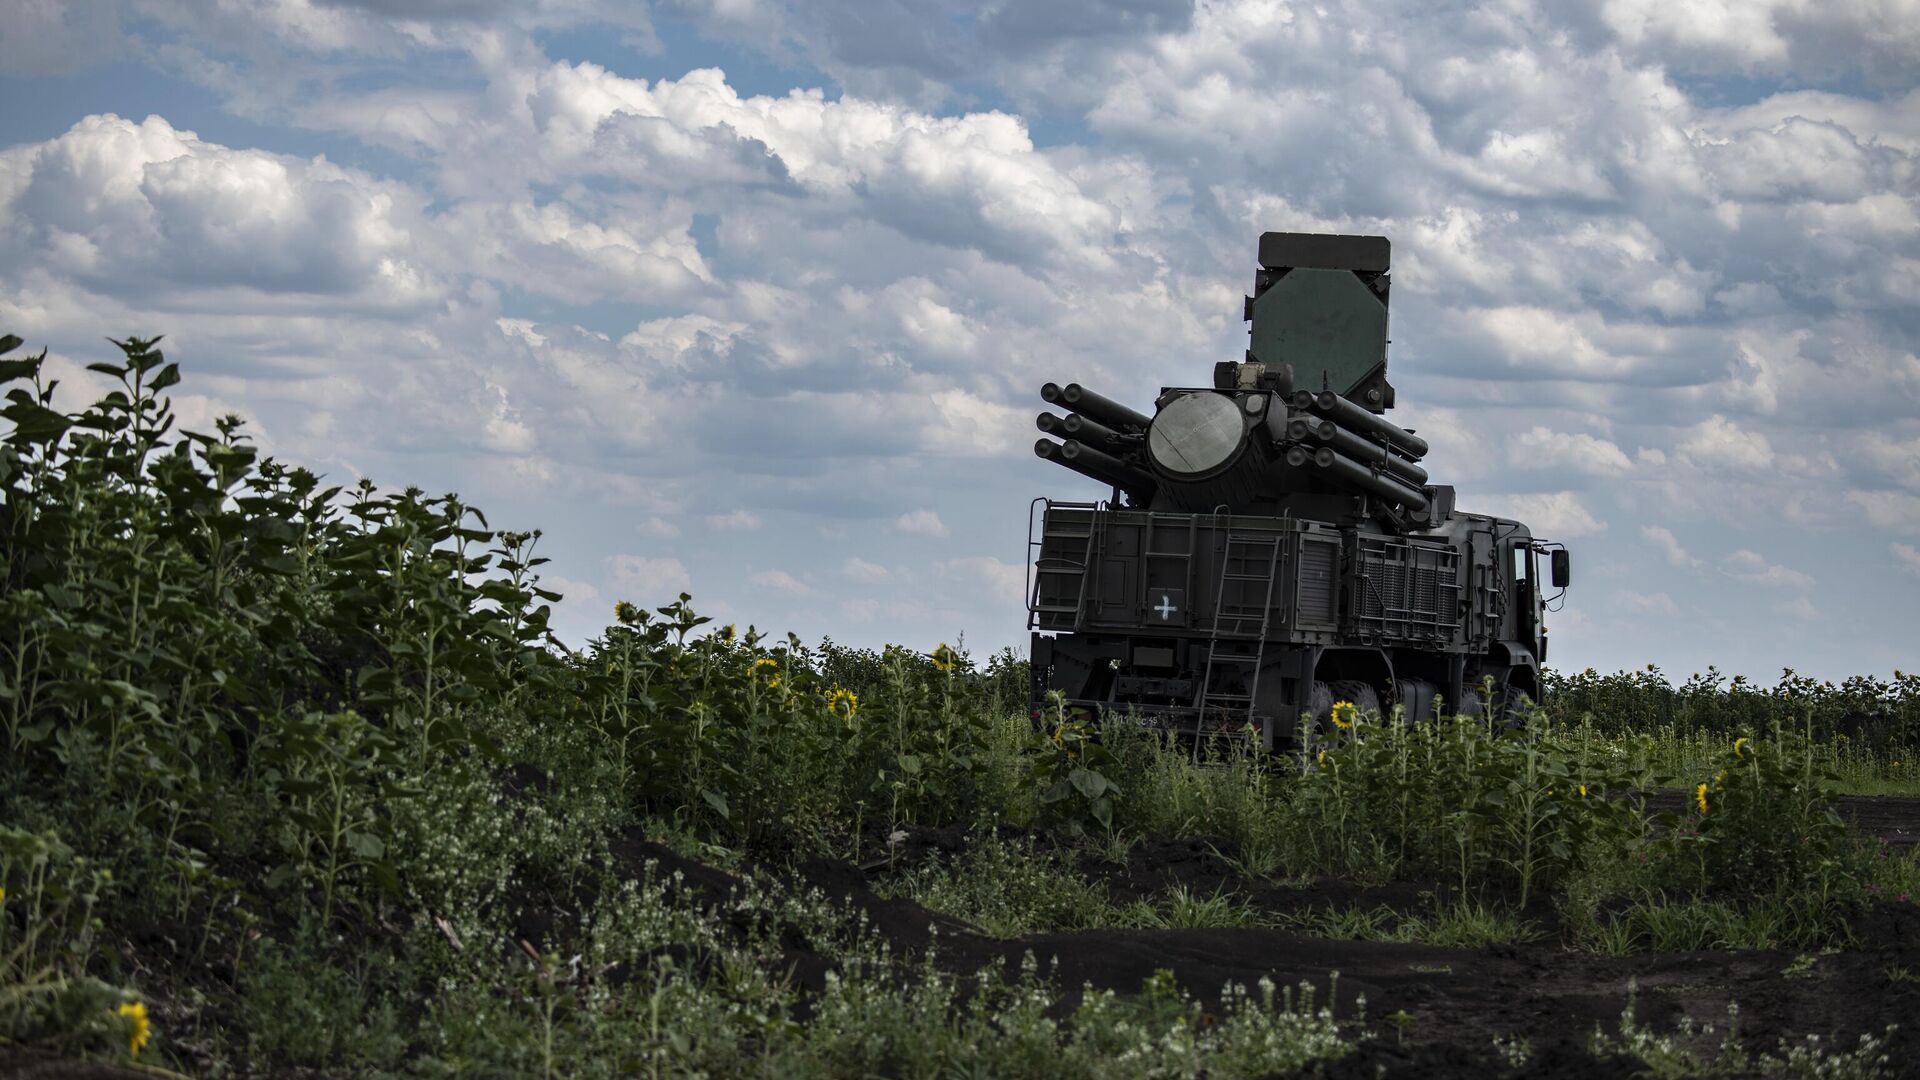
(752,298)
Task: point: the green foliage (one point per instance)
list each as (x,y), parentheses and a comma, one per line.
(1679,1055)
(310,757)
(47,932)
(1862,712)
(1762,823)
(1007,888)
(1459,799)
(1462,923)
(1072,773)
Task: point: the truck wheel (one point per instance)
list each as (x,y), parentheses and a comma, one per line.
(1516,707)
(1416,699)
(1363,696)
(1314,730)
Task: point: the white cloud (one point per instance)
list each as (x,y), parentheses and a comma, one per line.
(1906,557)
(650,579)
(1004,582)
(1717,441)
(1655,604)
(857,569)
(1752,568)
(580,297)
(144,207)
(1541,448)
(738,520)
(1555,515)
(1800,608)
(781,582)
(571,592)
(921,523)
(1670,547)
(1889,509)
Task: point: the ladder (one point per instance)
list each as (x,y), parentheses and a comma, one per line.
(1247,558)
(1076,532)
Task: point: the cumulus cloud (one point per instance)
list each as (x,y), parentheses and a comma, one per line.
(649,578)
(1541,448)
(1658,604)
(737,520)
(136,207)
(1799,608)
(781,582)
(1554,515)
(1639,269)
(921,523)
(1670,547)
(1717,441)
(858,569)
(1751,568)
(1906,557)
(1005,582)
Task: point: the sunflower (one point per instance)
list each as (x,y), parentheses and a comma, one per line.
(136,1011)
(944,657)
(1700,796)
(1344,713)
(1739,746)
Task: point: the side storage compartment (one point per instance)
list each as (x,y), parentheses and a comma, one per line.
(1316,582)
(1405,590)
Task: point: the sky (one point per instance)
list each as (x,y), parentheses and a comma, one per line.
(752,298)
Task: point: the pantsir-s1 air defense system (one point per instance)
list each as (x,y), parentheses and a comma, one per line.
(1272,543)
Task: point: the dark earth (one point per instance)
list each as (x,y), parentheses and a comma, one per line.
(1460,1000)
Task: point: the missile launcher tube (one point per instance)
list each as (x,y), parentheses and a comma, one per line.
(1354,418)
(1089,431)
(1128,477)
(1357,475)
(1301,428)
(1095,465)
(1051,424)
(1102,409)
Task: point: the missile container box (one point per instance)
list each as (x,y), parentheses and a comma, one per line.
(1271,543)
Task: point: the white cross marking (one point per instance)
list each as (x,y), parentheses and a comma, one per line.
(1166,608)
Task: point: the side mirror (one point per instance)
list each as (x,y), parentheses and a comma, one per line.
(1562,568)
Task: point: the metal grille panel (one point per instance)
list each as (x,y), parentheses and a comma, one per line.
(1406,591)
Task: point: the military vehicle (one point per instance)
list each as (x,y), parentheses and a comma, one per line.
(1271,543)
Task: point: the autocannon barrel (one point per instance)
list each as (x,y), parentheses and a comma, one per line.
(1103,409)
(1319,428)
(1088,431)
(1095,465)
(1127,476)
(1358,475)
(1351,416)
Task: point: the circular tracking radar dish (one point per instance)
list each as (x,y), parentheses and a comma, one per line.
(1196,434)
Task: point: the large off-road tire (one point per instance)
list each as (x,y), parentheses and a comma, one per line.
(1516,708)
(1320,701)
(1416,699)
(1365,698)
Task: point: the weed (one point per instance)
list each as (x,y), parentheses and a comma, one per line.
(1181,909)
(1007,888)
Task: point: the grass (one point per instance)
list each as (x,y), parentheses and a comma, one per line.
(1460,924)
(296,777)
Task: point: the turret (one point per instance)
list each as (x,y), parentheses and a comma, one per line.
(1296,428)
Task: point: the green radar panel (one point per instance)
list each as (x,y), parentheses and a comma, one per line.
(1320,305)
